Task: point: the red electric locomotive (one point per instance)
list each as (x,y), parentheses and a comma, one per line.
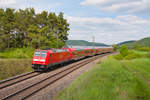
(44,59)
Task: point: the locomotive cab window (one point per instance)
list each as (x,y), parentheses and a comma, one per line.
(43,53)
(37,53)
(40,53)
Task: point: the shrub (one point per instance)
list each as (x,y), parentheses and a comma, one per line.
(115,47)
(17,53)
(144,49)
(137,46)
(124,51)
(118,57)
(133,55)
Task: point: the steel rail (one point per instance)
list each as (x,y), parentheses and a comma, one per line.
(17,79)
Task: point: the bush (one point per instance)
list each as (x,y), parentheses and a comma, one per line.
(115,47)
(133,55)
(144,49)
(17,53)
(118,57)
(124,51)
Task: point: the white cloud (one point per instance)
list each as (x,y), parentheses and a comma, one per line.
(16,4)
(109,30)
(126,6)
(7,2)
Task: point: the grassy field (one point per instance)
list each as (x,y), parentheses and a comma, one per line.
(15,61)
(112,80)
(13,67)
(140,52)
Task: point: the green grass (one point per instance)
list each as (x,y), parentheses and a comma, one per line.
(140,52)
(112,80)
(13,67)
(17,53)
(139,66)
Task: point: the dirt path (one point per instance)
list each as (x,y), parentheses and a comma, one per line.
(49,92)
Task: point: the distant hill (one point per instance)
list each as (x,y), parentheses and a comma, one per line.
(142,42)
(126,42)
(83,43)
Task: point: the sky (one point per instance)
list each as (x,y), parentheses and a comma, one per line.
(109,21)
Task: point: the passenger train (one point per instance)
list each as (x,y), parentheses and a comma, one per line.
(45,59)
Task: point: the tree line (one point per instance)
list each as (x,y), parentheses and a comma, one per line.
(25,28)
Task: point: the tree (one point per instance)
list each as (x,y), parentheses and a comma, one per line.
(3,36)
(20,28)
(63,27)
(34,36)
(8,24)
(25,28)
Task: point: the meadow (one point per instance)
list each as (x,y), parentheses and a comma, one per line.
(13,67)
(117,78)
(15,61)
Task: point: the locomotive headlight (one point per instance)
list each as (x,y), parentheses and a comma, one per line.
(43,60)
(35,60)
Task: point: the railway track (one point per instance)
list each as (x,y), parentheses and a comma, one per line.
(17,79)
(34,87)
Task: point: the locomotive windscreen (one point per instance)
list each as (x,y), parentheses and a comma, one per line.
(40,53)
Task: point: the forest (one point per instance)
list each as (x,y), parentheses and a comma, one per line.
(26,28)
